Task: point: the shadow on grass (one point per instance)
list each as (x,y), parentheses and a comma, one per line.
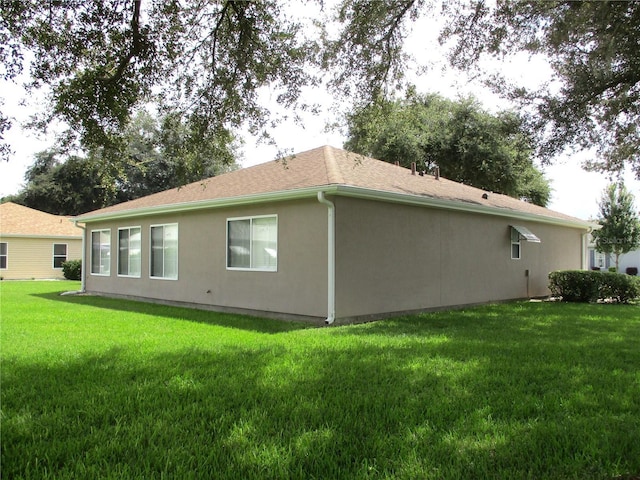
(457,405)
(540,319)
(244,322)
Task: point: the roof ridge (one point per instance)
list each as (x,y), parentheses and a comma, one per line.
(333,170)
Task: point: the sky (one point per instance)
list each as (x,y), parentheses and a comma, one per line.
(575,192)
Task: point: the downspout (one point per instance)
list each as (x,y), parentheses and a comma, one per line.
(331,259)
(585,248)
(83,268)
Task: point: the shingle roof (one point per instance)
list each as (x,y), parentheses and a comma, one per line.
(329,167)
(20,220)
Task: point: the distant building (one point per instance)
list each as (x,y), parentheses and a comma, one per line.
(34,244)
(603,261)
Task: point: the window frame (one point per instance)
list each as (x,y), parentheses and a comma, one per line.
(251,218)
(514,243)
(4,255)
(163,225)
(106,273)
(54,256)
(129,274)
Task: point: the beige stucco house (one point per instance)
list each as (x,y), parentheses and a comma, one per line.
(34,244)
(327,234)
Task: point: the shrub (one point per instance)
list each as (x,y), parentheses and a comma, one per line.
(613,269)
(620,287)
(72,269)
(575,285)
(632,270)
(589,286)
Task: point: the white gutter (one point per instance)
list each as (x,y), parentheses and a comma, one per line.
(331,258)
(83,266)
(585,249)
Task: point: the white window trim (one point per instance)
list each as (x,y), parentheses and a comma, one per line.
(129,263)
(512,243)
(226,251)
(99,274)
(53,256)
(151,276)
(6,255)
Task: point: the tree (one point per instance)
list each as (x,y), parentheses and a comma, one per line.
(620,232)
(591,46)
(366,59)
(205,60)
(208,61)
(469,145)
(156,155)
(63,188)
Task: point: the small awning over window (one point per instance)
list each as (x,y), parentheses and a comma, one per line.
(525,234)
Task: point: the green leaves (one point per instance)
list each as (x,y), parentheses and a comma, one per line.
(204,60)
(620,232)
(151,155)
(592,49)
(210,60)
(470,145)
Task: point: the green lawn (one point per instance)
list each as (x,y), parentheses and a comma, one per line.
(98,388)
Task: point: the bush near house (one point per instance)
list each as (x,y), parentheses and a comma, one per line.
(72,269)
(590,286)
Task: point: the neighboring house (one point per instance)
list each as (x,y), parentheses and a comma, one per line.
(328,234)
(602,261)
(34,244)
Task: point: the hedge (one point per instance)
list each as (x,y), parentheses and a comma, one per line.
(590,286)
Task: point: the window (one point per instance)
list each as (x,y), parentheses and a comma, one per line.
(164,251)
(515,244)
(600,260)
(101,252)
(129,251)
(252,243)
(59,254)
(4,255)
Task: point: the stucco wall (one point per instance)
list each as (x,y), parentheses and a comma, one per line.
(32,257)
(389,258)
(393,258)
(298,287)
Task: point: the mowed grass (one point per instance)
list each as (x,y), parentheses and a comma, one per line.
(101,388)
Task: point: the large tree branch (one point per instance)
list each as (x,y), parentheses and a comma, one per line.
(216,31)
(134,48)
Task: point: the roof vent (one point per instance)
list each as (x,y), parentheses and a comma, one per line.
(485,195)
(397,163)
(437,173)
(413,168)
